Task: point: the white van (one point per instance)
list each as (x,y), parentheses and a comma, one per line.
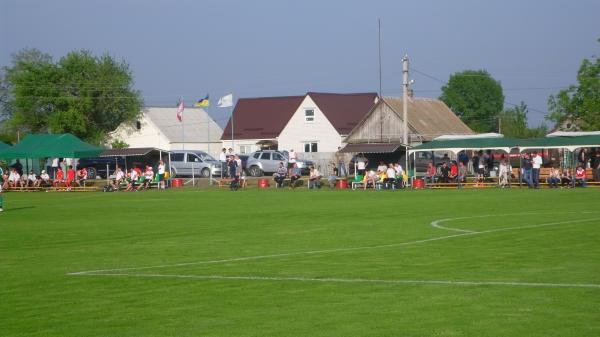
(184,162)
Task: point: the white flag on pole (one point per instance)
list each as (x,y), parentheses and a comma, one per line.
(225,101)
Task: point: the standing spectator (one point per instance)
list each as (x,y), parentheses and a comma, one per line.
(223,160)
(580,176)
(161,175)
(463,158)
(595,162)
(582,158)
(490,161)
(340,159)
(445,159)
(18,166)
(431,173)
(536,163)
(292,158)
(280,175)
(70,177)
(462,174)
(361,164)
(238,160)
(230,152)
(54,168)
(475,161)
(399,175)
(503,172)
(527,170)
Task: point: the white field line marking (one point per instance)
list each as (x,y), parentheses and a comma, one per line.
(354,280)
(437,223)
(327,251)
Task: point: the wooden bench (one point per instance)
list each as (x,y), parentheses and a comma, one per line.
(226,182)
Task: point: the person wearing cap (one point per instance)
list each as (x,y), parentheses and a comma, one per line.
(44,179)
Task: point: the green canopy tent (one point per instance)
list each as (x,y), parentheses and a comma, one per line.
(51,145)
(3,146)
(457,145)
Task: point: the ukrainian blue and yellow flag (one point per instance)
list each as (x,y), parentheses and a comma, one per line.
(203,102)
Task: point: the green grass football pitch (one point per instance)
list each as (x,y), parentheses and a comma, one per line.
(301,263)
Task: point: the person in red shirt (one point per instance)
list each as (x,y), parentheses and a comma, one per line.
(70,176)
(60,177)
(453,171)
(580,176)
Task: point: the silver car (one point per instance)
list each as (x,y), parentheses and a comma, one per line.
(267,161)
(194,163)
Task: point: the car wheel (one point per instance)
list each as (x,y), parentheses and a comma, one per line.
(205,173)
(91,173)
(255,171)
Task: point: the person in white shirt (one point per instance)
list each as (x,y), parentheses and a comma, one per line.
(503,172)
(391,176)
(119,176)
(223,160)
(148,177)
(14,179)
(361,164)
(293,157)
(314,179)
(537,164)
(133,177)
(381,168)
(31,179)
(161,175)
(44,179)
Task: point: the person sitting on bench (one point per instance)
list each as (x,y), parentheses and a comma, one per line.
(295,174)
(580,176)
(314,179)
(118,179)
(280,175)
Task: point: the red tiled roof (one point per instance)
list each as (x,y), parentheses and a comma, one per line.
(344,111)
(261,118)
(265,117)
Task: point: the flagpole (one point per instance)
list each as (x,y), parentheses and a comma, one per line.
(182,130)
(208,130)
(232,143)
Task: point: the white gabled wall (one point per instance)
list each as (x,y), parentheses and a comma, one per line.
(297,132)
(148,135)
(250,145)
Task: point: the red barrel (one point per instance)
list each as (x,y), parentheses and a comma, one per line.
(342,184)
(263,183)
(176,183)
(419,183)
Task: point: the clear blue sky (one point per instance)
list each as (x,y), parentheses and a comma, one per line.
(278,47)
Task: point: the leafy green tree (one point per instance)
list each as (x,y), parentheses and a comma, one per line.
(513,123)
(475,97)
(580,102)
(119,144)
(82,94)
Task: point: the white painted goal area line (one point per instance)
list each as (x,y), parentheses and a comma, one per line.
(354,280)
(105,272)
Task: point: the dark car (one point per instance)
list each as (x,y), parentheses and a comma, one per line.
(98,166)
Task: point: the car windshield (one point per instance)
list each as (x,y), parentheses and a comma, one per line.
(205,156)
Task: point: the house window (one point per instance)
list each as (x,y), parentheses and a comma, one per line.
(138,125)
(310,147)
(309,115)
(245,149)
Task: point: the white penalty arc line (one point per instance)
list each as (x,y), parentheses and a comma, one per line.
(326,251)
(355,280)
(437,223)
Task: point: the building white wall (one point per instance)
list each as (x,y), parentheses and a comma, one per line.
(147,136)
(297,132)
(249,144)
(211,148)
